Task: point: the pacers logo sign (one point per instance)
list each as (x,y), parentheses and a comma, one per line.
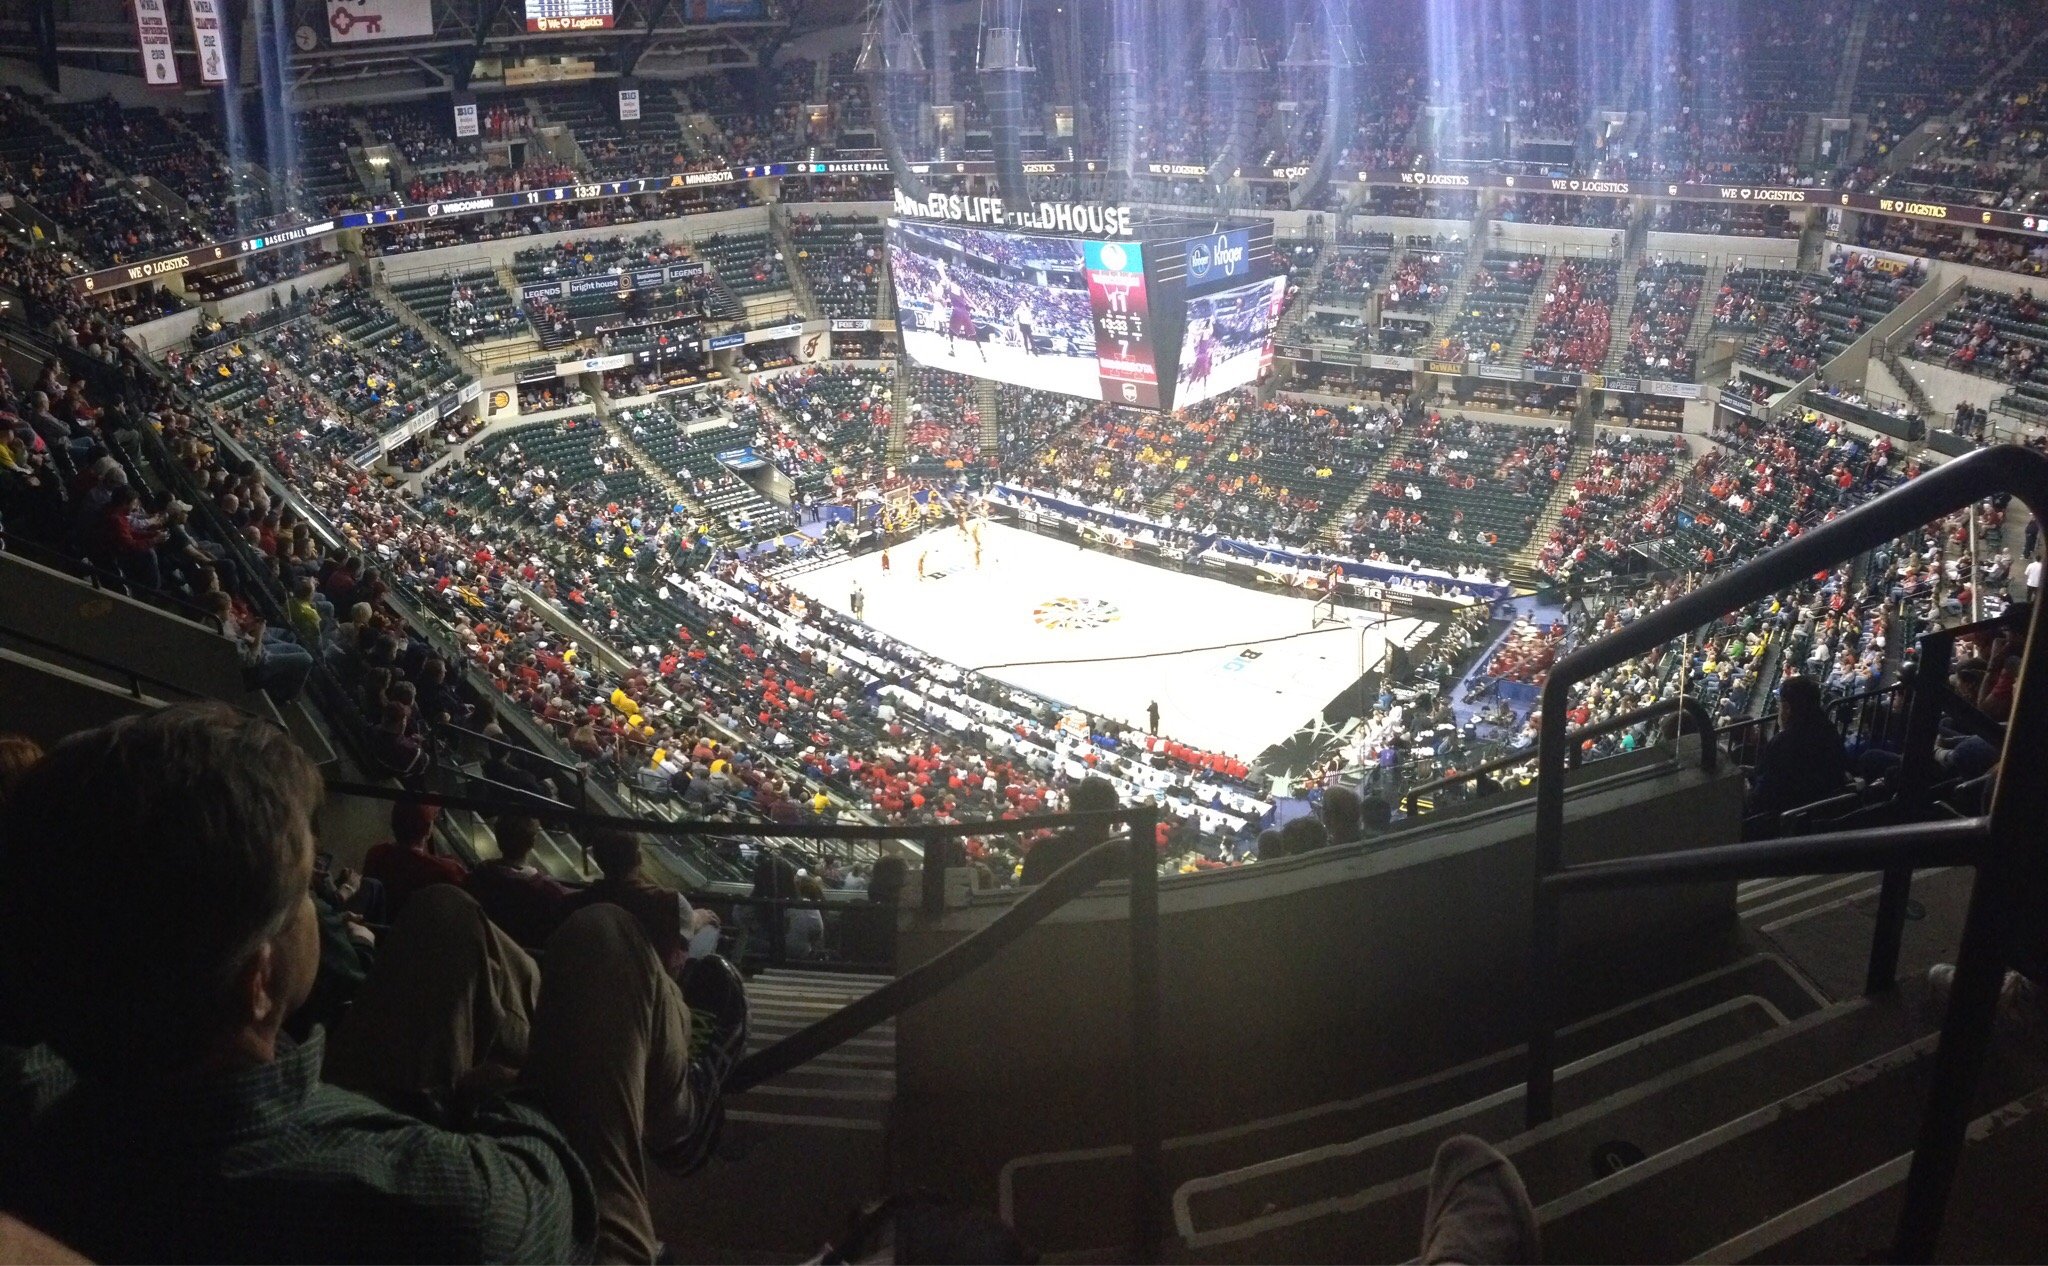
(1076,613)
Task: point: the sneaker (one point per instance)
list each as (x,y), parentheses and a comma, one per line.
(1479,1210)
(715,993)
(2021,1016)
(717,997)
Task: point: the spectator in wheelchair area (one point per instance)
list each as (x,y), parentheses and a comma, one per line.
(1804,761)
(158,929)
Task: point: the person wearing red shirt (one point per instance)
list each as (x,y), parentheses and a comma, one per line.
(406,863)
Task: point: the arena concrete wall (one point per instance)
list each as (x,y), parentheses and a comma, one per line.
(1294,982)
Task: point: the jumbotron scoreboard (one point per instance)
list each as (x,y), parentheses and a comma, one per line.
(1084,299)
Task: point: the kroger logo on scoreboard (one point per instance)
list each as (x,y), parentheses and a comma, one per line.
(1222,257)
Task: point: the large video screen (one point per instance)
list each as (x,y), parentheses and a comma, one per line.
(1228,339)
(1057,314)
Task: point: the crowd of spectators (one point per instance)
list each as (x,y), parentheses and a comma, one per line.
(1423,279)
(1992,333)
(1828,311)
(943,423)
(840,413)
(841,259)
(1460,491)
(1660,323)
(1108,454)
(1291,466)
(1572,326)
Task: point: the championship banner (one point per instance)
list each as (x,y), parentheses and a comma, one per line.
(153,36)
(629,105)
(465,116)
(359,21)
(210,40)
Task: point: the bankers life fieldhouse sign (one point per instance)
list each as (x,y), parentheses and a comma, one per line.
(1075,219)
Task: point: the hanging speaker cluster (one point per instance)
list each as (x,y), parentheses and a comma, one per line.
(892,64)
(1004,66)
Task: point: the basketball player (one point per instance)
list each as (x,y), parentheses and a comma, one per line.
(859,601)
(960,322)
(885,562)
(920,563)
(1205,354)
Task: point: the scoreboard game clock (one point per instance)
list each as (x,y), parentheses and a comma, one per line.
(568,15)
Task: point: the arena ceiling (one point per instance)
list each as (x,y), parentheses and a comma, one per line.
(652,37)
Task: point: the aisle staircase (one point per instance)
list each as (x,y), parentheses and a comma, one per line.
(1915,394)
(1225,444)
(1440,323)
(899,413)
(810,1144)
(1304,302)
(1334,523)
(1624,312)
(988,404)
(1702,327)
(669,483)
(1737,1116)
(1522,565)
(1525,328)
(799,280)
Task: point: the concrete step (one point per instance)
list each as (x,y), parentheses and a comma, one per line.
(781,1186)
(1994,1215)
(1877,1040)
(1779,1156)
(1049,1197)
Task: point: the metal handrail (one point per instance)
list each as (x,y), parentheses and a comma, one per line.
(2011,831)
(1693,708)
(108,580)
(478,736)
(947,968)
(136,678)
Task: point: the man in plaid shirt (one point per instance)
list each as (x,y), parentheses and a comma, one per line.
(156,931)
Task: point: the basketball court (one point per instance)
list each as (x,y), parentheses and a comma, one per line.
(1034,600)
(1005,361)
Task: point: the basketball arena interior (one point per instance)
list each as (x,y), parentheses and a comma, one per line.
(1023,630)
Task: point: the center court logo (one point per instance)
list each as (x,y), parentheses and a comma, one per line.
(1075,613)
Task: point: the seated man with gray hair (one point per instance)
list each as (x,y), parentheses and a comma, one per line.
(157,930)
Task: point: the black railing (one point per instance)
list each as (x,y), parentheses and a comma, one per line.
(2004,921)
(1693,710)
(1865,716)
(135,679)
(1139,865)
(518,755)
(112,580)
